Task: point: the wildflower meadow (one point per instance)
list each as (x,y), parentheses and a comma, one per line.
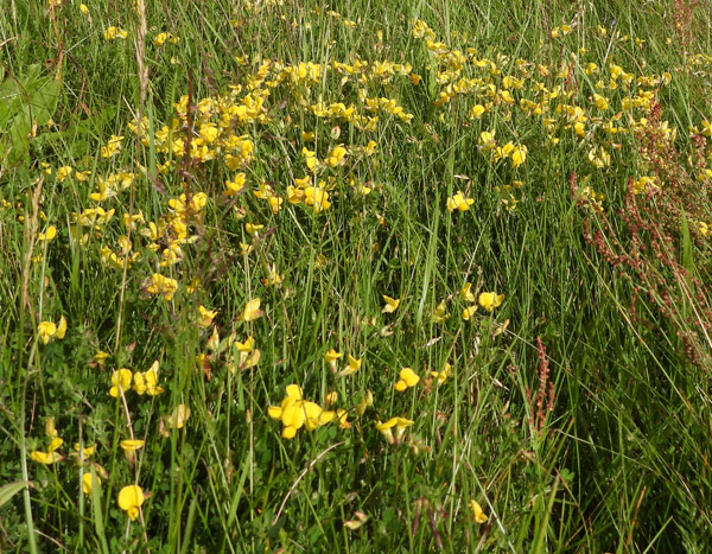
(361,276)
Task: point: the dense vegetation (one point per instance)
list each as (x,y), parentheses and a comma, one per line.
(383,276)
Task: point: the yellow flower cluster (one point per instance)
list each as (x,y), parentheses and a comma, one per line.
(143,383)
(294,412)
(47,330)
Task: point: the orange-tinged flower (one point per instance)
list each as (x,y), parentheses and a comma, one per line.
(358,521)
(130,499)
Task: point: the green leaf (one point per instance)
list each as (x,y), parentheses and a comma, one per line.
(25,103)
(11,489)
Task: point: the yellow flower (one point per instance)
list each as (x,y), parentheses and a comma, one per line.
(391,304)
(476,111)
(112,33)
(459,202)
(132,445)
(83,8)
(130,500)
(353,367)
(253,228)
(599,157)
(179,416)
(121,381)
(408,378)
(332,355)
(147,382)
(294,412)
(86,452)
(336,156)
(246,346)
(251,311)
(294,195)
(54,444)
(50,429)
(273,278)
(331,398)
(161,38)
(100,357)
(477,512)
(208,132)
(176,420)
(236,185)
(317,197)
(490,300)
(205,316)
(468,312)
(364,403)
(45,458)
(487,139)
(518,155)
(443,374)
(88,482)
(48,330)
(399,423)
(440,313)
(466,294)
(310,158)
(48,235)
(159,284)
(61,328)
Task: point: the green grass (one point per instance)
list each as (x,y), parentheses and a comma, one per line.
(620,463)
